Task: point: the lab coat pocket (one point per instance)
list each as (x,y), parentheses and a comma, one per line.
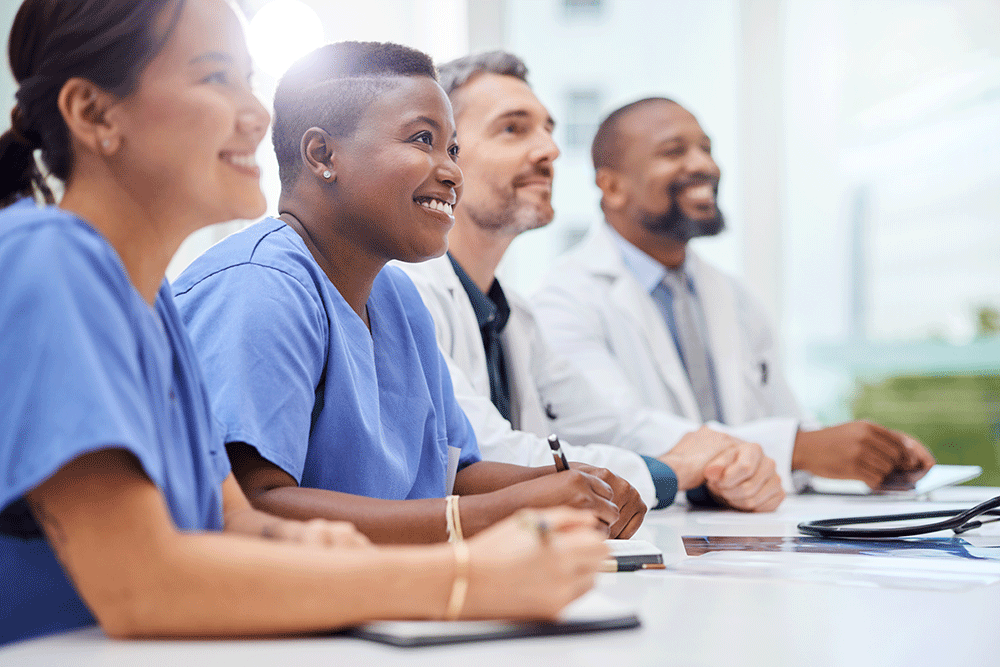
(757,379)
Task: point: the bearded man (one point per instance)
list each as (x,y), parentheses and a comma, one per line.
(656,328)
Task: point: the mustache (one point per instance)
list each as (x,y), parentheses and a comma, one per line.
(541,170)
(694,179)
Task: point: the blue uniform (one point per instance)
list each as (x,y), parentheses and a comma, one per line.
(293,371)
(86,365)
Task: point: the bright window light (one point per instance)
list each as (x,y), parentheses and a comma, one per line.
(282,32)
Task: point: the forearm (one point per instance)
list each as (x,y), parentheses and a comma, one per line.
(383,521)
(489,476)
(224,585)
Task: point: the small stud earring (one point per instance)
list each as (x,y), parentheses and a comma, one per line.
(106,143)
(327,174)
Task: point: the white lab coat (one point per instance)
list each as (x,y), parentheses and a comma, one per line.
(539,379)
(593,309)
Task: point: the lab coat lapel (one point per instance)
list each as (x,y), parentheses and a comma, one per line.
(639,313)
(718,302)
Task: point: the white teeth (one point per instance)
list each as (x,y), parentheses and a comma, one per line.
(437,205)
(245,160)
(701,191)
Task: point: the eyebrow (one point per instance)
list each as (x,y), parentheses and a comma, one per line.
(428,121)
(211,56)
(674,138)
(522,113)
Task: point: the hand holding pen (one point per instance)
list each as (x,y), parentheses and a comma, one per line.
(557,453)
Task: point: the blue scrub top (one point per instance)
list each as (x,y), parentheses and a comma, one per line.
(87,365)
(294,372)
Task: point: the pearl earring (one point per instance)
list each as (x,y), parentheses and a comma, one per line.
(106,143)
(327,174)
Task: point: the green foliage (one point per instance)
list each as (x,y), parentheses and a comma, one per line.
(987,321)
(957,416)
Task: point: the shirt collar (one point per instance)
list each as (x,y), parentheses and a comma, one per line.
(647,270)
(491,308)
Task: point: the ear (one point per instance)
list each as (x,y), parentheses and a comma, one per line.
(86,109)
(319,154)
(613,193)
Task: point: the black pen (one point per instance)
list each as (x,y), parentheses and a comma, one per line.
(557,454)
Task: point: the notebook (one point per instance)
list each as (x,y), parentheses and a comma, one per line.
(593,612)
(631,555)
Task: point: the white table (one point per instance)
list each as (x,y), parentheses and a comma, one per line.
(771,616)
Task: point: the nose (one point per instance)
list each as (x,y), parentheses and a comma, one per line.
(699,161)
(253,117)
(545,149)
(449,173)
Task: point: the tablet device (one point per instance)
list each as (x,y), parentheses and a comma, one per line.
(898,484)
(591,613)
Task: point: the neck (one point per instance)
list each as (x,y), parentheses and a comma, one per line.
(477,250)
(349,265)
(667,251)
(144,238)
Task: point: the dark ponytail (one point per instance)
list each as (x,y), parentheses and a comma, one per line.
(107,42)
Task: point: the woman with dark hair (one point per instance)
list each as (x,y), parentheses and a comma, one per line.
(116,499)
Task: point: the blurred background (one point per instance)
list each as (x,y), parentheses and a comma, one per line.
(859,142)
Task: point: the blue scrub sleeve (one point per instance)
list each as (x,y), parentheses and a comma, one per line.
(261,337)
(68,358)
(664,481)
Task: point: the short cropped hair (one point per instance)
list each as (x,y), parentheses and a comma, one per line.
(456,73)
(606,149)
(331,88)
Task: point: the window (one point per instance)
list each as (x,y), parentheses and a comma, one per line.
(583,113)
(574,8)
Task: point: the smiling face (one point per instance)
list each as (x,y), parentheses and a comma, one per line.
(507,155)
(191,128)
(397,178)
(669,181)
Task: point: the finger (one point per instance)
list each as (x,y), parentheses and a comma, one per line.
(920,458)
(628,530)
(887,442)
(564,518)
(769,499)
(747,462)
(745,498)
(625,515)
(605,511)
(873,478)
(768,496)
(764,476)
(596,484)
(876,465)
(877,453)
(715,469)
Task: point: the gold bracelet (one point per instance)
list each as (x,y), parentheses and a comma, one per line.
(460,586)
(457,520)
(449,518)
(453,520)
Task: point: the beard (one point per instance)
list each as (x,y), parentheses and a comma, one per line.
(674,223)
(509,216)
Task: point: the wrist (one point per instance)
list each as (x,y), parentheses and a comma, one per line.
(687,476)
(480,511)
(800,451)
